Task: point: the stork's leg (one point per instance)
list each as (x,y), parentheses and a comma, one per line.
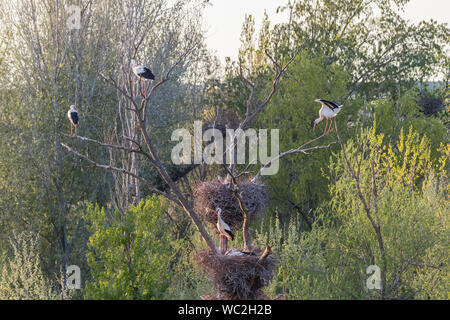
(76,127)
(71,129)
(326,125)
(223,245)
(329,128)
(140,89)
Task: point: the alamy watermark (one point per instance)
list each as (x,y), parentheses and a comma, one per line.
(234,147)
(74,18)
(73,280)
(374,281)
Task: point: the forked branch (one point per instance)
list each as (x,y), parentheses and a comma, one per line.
(300,149)
(120,170)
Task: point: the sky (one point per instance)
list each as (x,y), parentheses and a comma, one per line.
(223,20)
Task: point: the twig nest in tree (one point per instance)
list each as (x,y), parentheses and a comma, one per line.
(237,277)
(210,195)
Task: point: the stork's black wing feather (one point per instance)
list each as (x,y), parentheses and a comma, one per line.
(231,234)
(74,117)
(330,104)
(147,74)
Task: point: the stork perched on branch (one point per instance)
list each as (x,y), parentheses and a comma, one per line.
(72,114)
(222,226)
(328,111)
(142,72)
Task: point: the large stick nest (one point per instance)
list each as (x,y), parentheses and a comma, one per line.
(210,195)
(237,277)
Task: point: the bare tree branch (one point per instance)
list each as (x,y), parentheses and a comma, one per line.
(114,146)
(121,170)
(300,149)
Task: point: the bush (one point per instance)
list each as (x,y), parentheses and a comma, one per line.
(409,205)
(188,282)
(128,256)
(21,277)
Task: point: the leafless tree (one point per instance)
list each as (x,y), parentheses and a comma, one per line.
(168,54)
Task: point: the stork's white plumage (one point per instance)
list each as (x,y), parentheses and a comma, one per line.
(222,226)
(72,114)
(142,72)
(238,253)
(234,253)
(328,111)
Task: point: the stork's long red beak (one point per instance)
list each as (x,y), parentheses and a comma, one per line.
(315,124)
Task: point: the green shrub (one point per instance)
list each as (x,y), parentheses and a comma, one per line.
(411,209)
(129,255)
(21,276)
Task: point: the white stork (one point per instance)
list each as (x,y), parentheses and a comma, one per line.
(72,114)
(238,253)
(224,229)
(142,72)
(234,253)
(329,110)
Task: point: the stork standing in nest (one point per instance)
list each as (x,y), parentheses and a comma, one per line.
(223,227)
(328,111)
(72,114)
(225,232)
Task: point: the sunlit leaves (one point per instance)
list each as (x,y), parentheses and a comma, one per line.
(128,255)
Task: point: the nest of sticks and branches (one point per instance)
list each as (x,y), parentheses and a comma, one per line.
(210,195)
(237,277)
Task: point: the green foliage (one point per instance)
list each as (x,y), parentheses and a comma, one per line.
(360,53)
(409,205)
(188,282)
(21,275)
(292,111)
(376,49)
(392,116)
(128,256)
(301,272)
